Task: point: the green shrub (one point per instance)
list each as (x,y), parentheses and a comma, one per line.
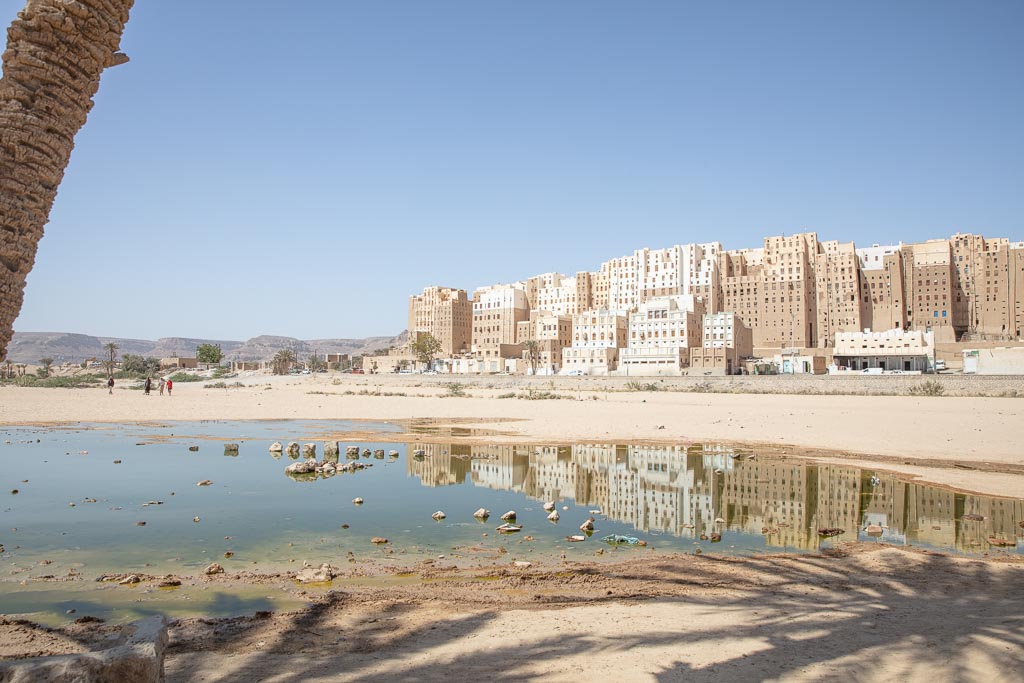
(185,377)
(456,389)
(223,385)
(927,388)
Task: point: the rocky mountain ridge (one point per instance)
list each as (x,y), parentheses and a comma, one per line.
(29,347)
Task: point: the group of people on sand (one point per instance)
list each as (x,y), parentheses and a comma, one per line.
(165,382)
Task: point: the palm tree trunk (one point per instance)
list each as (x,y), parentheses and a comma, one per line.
(56,51)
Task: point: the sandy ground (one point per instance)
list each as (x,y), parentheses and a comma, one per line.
(918,436)
(862,612)
(866,612)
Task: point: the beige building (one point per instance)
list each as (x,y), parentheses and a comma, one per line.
(929,276)
(497,311)
(446,314)
(837,288)
(597,337)
(881,281)
(726,341)
(177,362)
(551,334)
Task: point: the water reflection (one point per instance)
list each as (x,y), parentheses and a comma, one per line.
(682,490)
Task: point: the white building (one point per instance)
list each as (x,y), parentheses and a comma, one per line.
(891,350)
(661,333)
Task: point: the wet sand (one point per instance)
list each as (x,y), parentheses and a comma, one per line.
(862,611)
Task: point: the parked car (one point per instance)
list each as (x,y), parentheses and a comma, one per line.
(357,371)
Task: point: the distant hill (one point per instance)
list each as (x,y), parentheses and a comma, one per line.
(29,347)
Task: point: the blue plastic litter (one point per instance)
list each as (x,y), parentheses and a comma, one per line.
(616,539)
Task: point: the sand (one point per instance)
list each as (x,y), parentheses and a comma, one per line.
(865,612)
(917,436)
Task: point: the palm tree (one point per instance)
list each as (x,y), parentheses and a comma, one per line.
(43,105)
(46,364)
(111,348)
(532,347)
(283,361)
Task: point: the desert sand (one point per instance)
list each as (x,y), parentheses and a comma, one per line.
(864,611)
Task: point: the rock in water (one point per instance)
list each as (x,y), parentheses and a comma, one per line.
(553,517)
(392,453)
(304,467)
(482,514)
(309,450)
(438,515)
(352,451)
(321,574)
(292,448)
(378,540)
(231,449)
(357,501)
(587,525)
(331,448)
(204,482)
(276,447)
(214,568)
(549,506)
(509,516)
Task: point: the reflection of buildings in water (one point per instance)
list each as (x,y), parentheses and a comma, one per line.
(500,467)
(1002,516)
(915,513)
(442,464)
(681,490)
(931,515)
(885,504)
(777,495)
(839,500)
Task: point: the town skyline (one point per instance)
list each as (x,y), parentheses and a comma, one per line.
(649,312)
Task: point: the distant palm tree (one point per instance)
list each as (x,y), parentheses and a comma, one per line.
(283,361)
(46,365)
(111,348)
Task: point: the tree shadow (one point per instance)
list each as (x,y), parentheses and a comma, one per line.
(752,619)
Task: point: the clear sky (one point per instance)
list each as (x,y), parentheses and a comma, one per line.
(300,168)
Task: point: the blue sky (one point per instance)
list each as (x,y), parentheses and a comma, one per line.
(301,168)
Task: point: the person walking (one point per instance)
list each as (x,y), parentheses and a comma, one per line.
(162,383)
(170,385)
(110,384)
(149,385)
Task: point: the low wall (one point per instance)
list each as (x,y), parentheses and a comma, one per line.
(952,384)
